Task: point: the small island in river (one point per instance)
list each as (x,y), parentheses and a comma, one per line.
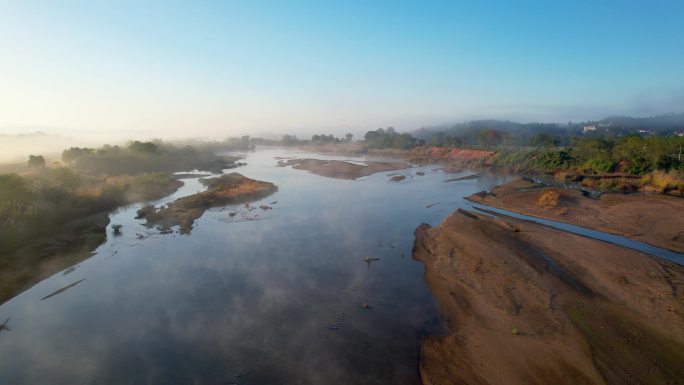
(340,169)
(227,189)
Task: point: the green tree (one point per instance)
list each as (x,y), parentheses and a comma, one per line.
(36,161)
(389,138)
(145,148)
(290,140)
(74,153)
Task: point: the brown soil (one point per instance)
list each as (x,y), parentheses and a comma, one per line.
(340,169)
(227,189)
(528,304)
(654,219)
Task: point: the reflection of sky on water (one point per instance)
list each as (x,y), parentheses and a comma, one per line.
(246,301)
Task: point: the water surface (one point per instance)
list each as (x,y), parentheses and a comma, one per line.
(263,297)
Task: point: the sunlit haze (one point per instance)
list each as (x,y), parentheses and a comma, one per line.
(341,192)
(124,69)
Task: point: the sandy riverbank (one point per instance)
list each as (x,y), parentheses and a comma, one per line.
(654,219)
(528,304)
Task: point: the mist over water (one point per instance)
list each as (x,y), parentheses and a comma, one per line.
(275,300)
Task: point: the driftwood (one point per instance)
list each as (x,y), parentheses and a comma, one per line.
(467,177)
(54,293)
(3,325)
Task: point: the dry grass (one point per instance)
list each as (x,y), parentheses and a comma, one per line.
(548,199)
(671,182)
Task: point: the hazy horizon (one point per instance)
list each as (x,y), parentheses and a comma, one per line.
(104,72)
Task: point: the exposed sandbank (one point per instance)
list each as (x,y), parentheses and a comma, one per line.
(528,304)
(227,189)
(651,218)
(340,169)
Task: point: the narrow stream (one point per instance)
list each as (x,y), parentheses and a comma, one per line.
(607,237)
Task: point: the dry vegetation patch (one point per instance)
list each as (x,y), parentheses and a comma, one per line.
(548,199)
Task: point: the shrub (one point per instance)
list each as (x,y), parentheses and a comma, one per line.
(599,166)
(638,165)
(666,182)
(552,160)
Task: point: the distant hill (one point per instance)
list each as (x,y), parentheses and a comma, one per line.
(660,123)
(514,133)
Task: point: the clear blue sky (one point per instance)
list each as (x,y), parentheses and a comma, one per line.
(192,68)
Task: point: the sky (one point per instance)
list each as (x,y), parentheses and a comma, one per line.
(141,69)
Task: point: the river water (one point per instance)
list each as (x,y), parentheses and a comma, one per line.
(263,297)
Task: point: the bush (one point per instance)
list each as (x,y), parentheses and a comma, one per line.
(666,182)
(598,166)
(638,165)
(553,160)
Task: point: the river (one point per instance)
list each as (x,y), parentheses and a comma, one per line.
(263,297)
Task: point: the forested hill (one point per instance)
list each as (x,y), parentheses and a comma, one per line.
(660,123)
(475,132)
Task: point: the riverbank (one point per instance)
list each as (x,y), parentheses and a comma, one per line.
(56,218)
(528,304)
(619,175)
(649,218)
(53,216)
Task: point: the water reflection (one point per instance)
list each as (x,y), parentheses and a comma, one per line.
(246,302)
